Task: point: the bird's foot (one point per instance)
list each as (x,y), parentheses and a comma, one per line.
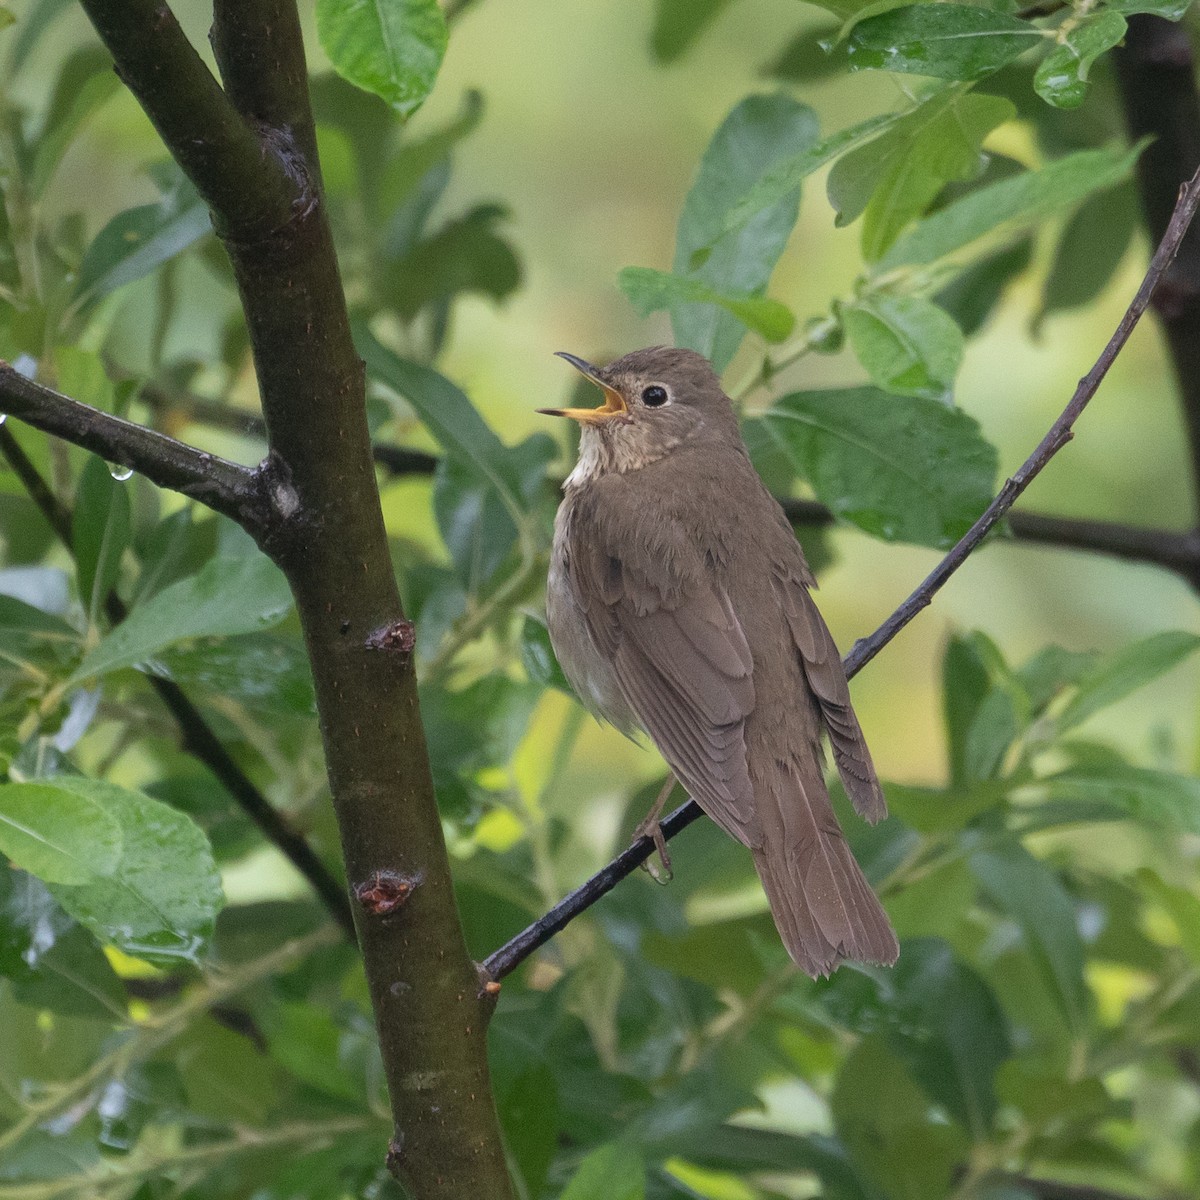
(652,829)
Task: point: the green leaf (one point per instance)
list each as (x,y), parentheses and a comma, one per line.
(911,471)
(781,180)
(880,1115)
(1117,675)
(1026,890)
(56,834)
(1152,797)
(759,134)
(448,414)
(139,240)
(475,524)
(679,23)
(950,41)
(908,345)
(53,964)
(415,158)
(392,48)
(813,55)
(84,84)
(650,291)
(1062,76)
(465,255)
(538,658)
(973,294)
(100,530)
(162,897)
(1172,10)
(940,1017)
(528,1110)
(895,176)
(1091,247)
(611,1172)
(230,595)
(965,684)
(1012,204)
(994,729)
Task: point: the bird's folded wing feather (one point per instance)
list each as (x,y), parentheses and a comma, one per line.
(826,676)
(683,664)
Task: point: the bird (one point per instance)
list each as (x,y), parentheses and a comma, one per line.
(678,602)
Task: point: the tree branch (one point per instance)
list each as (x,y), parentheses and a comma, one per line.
(226,487)
(249,177)
(512,954)
(1156,76)
(199,739)
(327,535)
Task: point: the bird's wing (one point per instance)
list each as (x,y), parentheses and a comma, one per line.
(826,676)
(680,658)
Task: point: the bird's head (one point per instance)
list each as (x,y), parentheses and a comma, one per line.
(654,400)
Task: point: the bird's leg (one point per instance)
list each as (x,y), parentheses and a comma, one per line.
(649,827)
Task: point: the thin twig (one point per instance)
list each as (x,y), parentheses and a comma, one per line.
(224,486)
(199,739)
(511,955)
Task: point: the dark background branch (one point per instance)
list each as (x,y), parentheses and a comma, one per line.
(198,738)
(1175,551)
(514,952)
(1157,79)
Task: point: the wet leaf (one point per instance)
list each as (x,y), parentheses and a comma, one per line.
(57,834)
(903,470)
(895,176)
(230,595)
(950,41)
(1011,205)
(161,898)
(1062,76)
(392,48)
(908,345)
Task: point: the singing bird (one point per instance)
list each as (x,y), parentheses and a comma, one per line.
(678,602)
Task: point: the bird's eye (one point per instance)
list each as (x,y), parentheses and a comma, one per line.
(655,396)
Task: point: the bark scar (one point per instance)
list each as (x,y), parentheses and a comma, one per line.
(385,891)
(397,637)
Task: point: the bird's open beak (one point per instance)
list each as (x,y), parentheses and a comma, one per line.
(614,403)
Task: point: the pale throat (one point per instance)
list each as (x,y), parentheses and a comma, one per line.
(627,446)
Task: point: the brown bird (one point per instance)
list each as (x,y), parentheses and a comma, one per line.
(678,601)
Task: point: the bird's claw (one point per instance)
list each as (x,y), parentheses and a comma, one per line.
(650,828)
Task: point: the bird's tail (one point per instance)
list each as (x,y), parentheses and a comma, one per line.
(823,906)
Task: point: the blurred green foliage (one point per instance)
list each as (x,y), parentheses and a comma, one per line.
(162,1038)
